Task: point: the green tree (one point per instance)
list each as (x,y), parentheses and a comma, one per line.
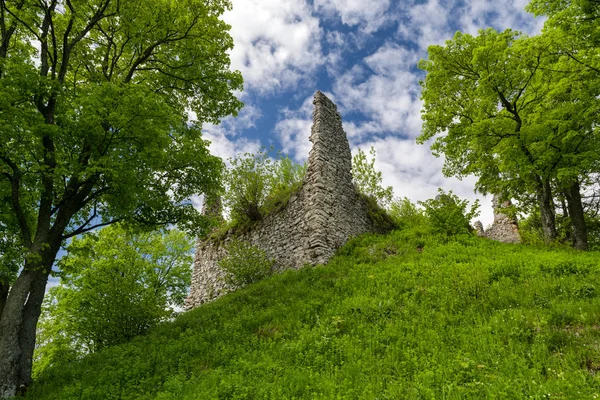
(448,214)
(114,285)
(368,180)
(572,30)
(94,97)
(501,110)
(245,264)
(249,181)
(406,214)
(573,26)
(255,184)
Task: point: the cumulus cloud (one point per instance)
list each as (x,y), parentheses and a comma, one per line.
(415,173)
(293,130)
(369,16)
(435,21)
(224,138)
(385,89)
(277,43)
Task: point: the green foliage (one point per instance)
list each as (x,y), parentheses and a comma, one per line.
(94,104)
(448,214)
(406,214)
(530,230)
(249,181)
(367,180)
(287,173)
(108,100)
(288,177)
(381,220)
(515,111)
(462,317)
(245,264)
(115,285)
(257,185)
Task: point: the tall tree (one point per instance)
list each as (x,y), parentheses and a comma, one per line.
(494,102)
(94,96)
(573,30)
(114,285)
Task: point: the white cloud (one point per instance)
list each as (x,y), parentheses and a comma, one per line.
(415,173)
(224,140)
(277,42)
(369,16)
(387,93)
(427,23)
(293,130)
(435,21)
(476,15)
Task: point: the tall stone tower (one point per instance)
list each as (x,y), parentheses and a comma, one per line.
(316,221)
(334,210)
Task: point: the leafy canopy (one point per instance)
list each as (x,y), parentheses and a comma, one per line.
(245,264)
(448,214)
(256,184)
(95,123)
(114,285)
(505,108)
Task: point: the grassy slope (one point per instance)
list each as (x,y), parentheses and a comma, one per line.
(464,318)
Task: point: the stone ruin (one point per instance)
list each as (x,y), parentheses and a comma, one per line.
(504,228)
(318,219)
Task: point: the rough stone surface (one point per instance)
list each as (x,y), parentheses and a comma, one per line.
(479,228)
(504,229)
(317,220)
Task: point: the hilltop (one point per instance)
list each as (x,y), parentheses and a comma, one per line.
(406,315)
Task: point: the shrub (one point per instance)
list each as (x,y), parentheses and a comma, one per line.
(249,181)
(381,220)
(448,214)
(245,264)
(406,214)
(368,181)
(257,184)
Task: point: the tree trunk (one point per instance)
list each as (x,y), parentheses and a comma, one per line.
(18,325)
(4,288)
(565,213)
(544,197)
(577,215)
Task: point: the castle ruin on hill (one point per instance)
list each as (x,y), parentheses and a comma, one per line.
(317,220)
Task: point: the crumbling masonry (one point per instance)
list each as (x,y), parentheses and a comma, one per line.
(504,229)
(317,220)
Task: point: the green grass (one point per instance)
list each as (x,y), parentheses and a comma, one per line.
(406,315)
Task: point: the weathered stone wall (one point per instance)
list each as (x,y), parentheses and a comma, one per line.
(317,220)
(504,229)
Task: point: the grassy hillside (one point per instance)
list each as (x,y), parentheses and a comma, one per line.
(407,315)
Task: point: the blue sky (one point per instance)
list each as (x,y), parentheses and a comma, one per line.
(363,55)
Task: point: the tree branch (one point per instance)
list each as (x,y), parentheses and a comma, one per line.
(15,182)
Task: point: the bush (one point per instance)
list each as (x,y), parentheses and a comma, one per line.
(257,185)
(448,214)
(115,284)
(406,214)
(381,220)
(367,180)
(249,181)
(245,264)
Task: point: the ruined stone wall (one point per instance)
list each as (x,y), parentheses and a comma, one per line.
(504,228)
(317,220)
